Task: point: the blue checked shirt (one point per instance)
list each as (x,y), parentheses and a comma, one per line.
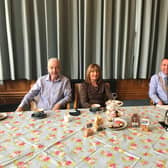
(49,92)
(156,90)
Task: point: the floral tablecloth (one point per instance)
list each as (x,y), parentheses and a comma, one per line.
(26,142)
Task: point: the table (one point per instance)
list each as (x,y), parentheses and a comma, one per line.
(27,142)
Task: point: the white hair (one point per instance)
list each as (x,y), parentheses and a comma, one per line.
(53,59)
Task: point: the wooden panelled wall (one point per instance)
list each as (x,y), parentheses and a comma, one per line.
(132,89)
(11,92)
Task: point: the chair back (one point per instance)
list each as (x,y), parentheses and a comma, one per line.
(33,103)
(151,102)
(76,95)
(107,84)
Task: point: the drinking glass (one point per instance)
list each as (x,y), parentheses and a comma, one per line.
(114,96)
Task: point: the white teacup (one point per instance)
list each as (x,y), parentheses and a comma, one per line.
(95,107)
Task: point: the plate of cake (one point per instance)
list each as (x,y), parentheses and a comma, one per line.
(117,124)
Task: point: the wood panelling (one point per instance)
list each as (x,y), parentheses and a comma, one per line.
(11,92)
(17,86)
(132,89)
(2,87)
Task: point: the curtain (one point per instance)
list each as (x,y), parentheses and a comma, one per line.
(127,38)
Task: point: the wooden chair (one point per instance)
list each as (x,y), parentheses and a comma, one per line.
(76,95)
(107,84)
(151,102)
(33,103)
(68,106)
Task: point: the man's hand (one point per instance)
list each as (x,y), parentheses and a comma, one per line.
(56,107)
(160,103)
(19,109)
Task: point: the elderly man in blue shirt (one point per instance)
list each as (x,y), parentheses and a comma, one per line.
(158,87)
(53,90)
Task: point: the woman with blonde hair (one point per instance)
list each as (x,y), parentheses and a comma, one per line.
(94,90)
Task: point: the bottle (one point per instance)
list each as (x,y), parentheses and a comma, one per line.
(135,120)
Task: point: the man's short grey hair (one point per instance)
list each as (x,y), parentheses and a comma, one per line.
(53,59)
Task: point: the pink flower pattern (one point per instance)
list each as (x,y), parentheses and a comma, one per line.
(96,144)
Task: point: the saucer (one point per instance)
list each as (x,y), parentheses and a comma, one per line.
(39,115)
(75,113)
(3,116)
